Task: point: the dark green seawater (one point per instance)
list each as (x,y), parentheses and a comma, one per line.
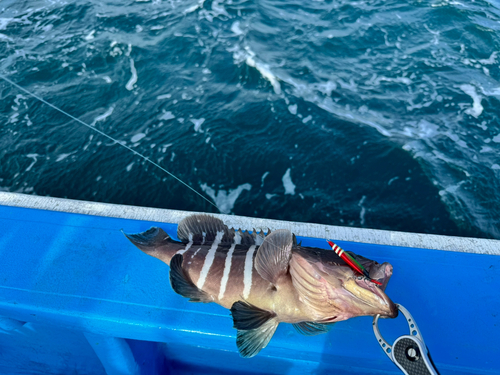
(377,114)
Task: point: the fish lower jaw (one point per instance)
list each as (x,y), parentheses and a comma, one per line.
(366,299)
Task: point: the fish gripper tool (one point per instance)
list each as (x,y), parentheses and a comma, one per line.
(408,352)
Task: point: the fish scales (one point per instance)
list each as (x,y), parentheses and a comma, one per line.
(266,280)
(225,291)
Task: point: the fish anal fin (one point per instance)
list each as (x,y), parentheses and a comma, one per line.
(183,285)
(312,328)
(274,255)
(247,316)
(255,327)
(252,341)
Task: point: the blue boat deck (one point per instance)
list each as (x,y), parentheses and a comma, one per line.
(77,297)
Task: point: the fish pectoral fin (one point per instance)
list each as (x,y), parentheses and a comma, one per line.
(312,328)
(204,229)
(255,327)
(274,255)
(150,240)
(182,284)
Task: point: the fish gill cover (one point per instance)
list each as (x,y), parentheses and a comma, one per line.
(369,113)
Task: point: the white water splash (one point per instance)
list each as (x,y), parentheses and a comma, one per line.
(90,36)
(137,137)
(194,7)
(477,108)
(34,157)
(287,183)
(133,80)
(167,116)
(263,178)
(103,116)
(164,96)
(5,37)
(263,69)
(489,61)
(197,124)
(63,156)
(4,22)
(363,210)
(235,28)
(225,200)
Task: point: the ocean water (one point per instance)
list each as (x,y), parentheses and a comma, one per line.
(376,114)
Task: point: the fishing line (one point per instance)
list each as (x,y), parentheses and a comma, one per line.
(104,134)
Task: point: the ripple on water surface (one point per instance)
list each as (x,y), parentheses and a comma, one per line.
(368,114)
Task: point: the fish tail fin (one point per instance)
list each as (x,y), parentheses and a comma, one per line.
(154,242)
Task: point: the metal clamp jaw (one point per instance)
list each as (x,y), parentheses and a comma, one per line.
(408,352)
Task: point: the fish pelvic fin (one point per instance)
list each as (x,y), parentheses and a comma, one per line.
(274,255)
(255,327)
(182,283)
(312,328)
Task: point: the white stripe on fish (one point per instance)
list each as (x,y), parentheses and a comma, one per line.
(190,243)
(237,238)
(192,256)
(227,265)
(247,273)
(196,252)
(227,269)
(209,260)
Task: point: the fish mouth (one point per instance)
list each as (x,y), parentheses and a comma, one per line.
(373,298)
(370,294)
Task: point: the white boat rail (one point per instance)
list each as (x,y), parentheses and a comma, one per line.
(362,235)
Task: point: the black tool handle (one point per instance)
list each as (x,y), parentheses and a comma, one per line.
(412,357)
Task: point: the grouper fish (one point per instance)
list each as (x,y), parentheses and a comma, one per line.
(266,279)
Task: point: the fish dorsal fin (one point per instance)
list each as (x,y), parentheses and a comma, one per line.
(274,255)
(247,238)
(255,327)
(183,285)
(312,328)
(203,229)
(243,238)
(313,289)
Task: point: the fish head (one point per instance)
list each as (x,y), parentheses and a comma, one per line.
(357,295)
(334,292)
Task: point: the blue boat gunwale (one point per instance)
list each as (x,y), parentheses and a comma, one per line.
(311,230)
(131,321)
